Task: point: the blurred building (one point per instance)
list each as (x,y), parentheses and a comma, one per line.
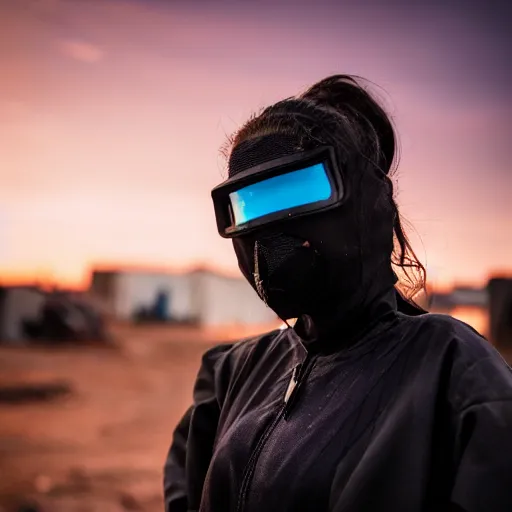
(462,296)
(18,305)
(470,305)
(201,297)
(500,311)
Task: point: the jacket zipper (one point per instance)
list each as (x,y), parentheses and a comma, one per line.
(299,375)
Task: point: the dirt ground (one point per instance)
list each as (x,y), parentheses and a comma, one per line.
(102,447)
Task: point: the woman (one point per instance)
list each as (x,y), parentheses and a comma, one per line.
(366,403)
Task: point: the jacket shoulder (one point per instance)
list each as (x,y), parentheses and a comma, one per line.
(440,329)
(478,372)
(227,362)
(240,351)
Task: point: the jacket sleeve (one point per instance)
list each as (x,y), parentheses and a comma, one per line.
(483,449)
(192,443)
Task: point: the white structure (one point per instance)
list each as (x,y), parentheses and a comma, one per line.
(17,304)
(202,296)
(470,297)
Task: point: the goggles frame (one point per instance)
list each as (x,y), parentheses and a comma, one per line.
(324,155)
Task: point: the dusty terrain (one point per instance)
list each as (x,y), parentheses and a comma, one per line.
(102,447)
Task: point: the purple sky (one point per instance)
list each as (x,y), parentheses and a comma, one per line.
(112,113)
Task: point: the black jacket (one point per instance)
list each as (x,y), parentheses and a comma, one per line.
(416,416)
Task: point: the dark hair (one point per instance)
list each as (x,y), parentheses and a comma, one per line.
(340,105)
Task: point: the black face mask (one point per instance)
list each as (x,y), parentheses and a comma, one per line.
(324,263)
(285,270)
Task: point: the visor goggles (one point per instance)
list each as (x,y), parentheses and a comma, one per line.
(281,189)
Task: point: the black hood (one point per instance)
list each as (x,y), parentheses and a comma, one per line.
(331,265)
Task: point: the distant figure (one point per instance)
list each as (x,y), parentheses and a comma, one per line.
(157,311)
(365,403)
(161,306)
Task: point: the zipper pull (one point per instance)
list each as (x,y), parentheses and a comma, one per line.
(292,385)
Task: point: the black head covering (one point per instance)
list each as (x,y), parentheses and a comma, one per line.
(327,262)
(334,266)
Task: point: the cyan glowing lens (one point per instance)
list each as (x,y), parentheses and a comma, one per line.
(290,190)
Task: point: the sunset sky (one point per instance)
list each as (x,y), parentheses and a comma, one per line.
(112,113)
